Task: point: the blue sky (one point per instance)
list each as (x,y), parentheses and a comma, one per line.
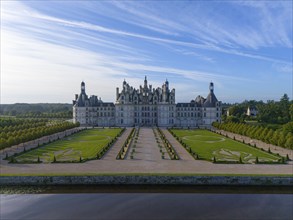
(49,47)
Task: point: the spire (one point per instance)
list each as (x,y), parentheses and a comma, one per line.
(145,82)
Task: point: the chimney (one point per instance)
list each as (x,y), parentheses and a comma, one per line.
(117,93)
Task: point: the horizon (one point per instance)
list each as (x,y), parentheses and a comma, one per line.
(48,48)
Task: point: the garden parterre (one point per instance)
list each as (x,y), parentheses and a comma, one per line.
(214,147)
(84,145)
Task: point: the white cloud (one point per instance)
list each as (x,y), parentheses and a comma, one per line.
(44,58)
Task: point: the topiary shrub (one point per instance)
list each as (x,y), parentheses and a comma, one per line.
(54,159)
(39,161)
(214,160)
(240,160)
(256,159)
(11,160)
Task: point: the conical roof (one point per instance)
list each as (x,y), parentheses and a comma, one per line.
(211,100)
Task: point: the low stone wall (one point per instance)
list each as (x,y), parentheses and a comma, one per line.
(145,179)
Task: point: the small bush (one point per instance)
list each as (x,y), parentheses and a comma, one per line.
(256,159)
(240,159)
(214,160)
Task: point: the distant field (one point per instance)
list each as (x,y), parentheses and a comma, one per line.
(209,145)
(85,144)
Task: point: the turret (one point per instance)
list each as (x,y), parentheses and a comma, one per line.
(211,87)
(82,86)
(167,84)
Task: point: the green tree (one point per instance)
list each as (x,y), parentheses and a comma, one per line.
(275,138)
(288,127)
(291,111)
(281,140)
(289,141)
(269,136)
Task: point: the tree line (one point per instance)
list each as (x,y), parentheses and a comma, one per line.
(282,137)
(275,112)
(30,129)
(35,109)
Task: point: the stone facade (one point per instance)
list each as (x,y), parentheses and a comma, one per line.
(146,106)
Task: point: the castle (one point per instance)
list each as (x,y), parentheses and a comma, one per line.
(146,106)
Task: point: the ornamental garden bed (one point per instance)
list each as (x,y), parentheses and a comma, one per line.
(204,144)
(86,145)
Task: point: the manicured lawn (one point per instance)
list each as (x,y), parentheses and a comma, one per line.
(209,145)
(85,144)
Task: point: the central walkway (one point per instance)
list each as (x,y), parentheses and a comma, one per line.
(146,147)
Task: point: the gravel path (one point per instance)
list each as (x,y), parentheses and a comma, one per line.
(146,147)
(114,150)
(259,144)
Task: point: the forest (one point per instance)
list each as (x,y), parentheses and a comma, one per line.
(272,112)
(40,110)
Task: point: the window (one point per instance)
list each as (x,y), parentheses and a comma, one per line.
(121,121)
